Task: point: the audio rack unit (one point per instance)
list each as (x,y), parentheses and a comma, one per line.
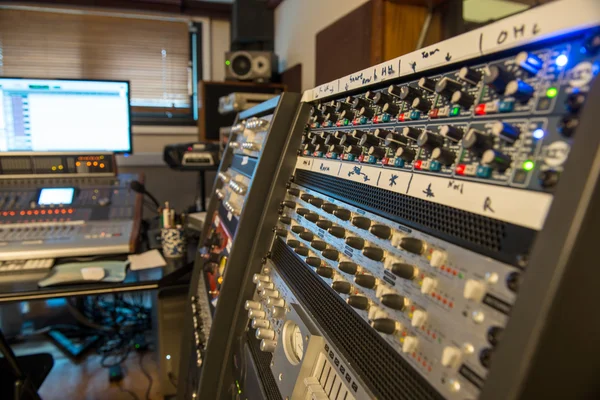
(435,236)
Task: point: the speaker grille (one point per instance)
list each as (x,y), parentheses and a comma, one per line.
(262,361)
(489,236)
(383,370)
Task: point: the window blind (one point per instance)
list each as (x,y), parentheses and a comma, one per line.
(152,54)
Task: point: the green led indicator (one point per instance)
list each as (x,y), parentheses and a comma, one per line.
(439,340)
(455,111)
(551,92)
(528,165)
(227,62)
(460,275)
(346,121)
(137,346)
(238,387)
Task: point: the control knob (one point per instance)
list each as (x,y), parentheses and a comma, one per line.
(395,137)
(277,312)
(331,139)
(506,131)
(260,278)
(451,356)
(358,302)
(405,154)
(355,242)
(337,231)
(394,301)
(469,75)
(366,281)
(520,90)
(285,220)
(410,344)
(347,114)
(404,270)
(297,229)
(361,222)
(381,134)
(438,258)
(325,272)
(394,90)
(496,160)
(446,87)
(463,99)
(328,208)
(348,267)
(301,250)
(314,262)
(306,235)
(428,285)
(342,287)
(380,98)
(341,106)
(477,142)
(409,93)
(318,245)
(268,346)
(354,150)
(252,305)
(529,62)
(427,84)
(359,103)
(497,78)
(317,202)
(381,231)
(421,104)
(411,133)
(324,223)
(259,314)
(443,156)
(368,140)
(386,325)
(452,132)
(390,108)
(366,112)
(289,204)
(260,323)
(373,253)
(272,301)
(317,139)
(342,214)
(474,290)
(331,254)
(429,140)
(418,319)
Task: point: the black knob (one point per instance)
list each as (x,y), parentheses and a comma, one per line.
(513,280)
(315,111)
(339,135)
(318,245)
(411,133)
(281,232)
(331,254)
(368,140)
(361,222)
(348,140)
(324,224)
(568,125)
(298,229)
(470,75)
(497,78)
(325,272)
(317,139)
(494,334)
(306,235)
(443,156)
(409,93)
(329,207)
(427,84)
(529,62)
(548,178)
(317,202)
(413,245)
(395,138)
(381,231)
(406,154)
(289,204)
(377,152)
(366,112)
(332,117)
(321,147)
(496,159)
(452,132)
(404,271)
(358,302)
(381,134)
(394,90)
(366,281)
(293,243)
(341,106)
(342,287)
(285,220)
(348,267)
(370,95)
(301,250)
(347,114)
(317,118)
(313,261)
(337,231)
(421,104)
(575,101)
(294,192)
(342,214)
(477,141)
(303,211)
(355,242)
(463,99)
(391,108)
(374,253)
(306,196)
(357,134)
(485,357)
(429,140)
(394,301)
(336,148)
(309,148)
(384,325)
(520,90)
(506,131)
(446,87)
(327,109)
(331,139)
(359,103)
(380,98)
(312,217)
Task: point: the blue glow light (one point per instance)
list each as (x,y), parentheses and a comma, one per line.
(562,60)
(538,133)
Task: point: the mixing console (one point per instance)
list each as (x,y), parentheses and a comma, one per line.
(99,215)
(429,242)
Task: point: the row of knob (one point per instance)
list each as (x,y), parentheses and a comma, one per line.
(495,77)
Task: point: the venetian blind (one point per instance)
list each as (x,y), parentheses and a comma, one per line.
(152,54)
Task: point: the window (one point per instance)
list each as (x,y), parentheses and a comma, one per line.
(152,53)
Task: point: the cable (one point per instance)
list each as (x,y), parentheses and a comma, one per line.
(132,394)
(150,380)
(172,379)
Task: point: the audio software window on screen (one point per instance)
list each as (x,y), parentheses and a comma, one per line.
(55,115)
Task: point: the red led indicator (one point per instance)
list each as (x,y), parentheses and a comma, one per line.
(339,123)
(433,295)
(434,335)
(71,211)
(29,212)
(451,305)
(418,164)
(63,211)
(375,119)
(401,117)
(190,148)
(429,369)
(443,268)
(12,213)
(5,214)
(480,109)
(385,161)
(361,158)
(36,212)
(434,113)
(424,364)
(454,273)
(460,169)
(445,301)
(354,122)
(414,355)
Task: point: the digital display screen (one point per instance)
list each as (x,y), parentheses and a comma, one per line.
(52,196)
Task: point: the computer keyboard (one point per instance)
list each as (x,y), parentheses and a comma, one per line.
(12,266)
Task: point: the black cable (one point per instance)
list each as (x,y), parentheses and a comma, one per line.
(150,380)
(132,394)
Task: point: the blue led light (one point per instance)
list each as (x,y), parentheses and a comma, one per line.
(562,60)
(538,133)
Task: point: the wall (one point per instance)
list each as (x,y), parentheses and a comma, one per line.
(296,25)
(220,34)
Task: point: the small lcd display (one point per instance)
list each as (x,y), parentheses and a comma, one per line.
(52,196)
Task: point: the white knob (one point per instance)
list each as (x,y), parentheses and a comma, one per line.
(418,319)
(270,293)
(260,278)
(272,301)
(260,314)
(410,344)
(266,270)
(264,285)
(428,285)
(278,312)
(451,356)
(474,290)
(252,305)
(268,345)
(262,333)
(438,258)
(260,323)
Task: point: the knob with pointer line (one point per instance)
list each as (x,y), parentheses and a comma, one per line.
(377,152)
(331,139)
(380,98)
(336,148)
(394,90)
(368,140)
(463,99)
(406,154)
(390,108)
(429,140)
(529,62)
(446,87)
(496,160)
(443,156)
(427,84)
(324,224)
(411,133)
(317,139)
(421,104)
(469,75)
(477,142)
(506,131)
(395,137)
(347,114)
(366,112)
(341,106)
(409,93)
(497,78)
(520,90)
(381,134)
(359,103)
(358,302)
(452,132)
(308,147)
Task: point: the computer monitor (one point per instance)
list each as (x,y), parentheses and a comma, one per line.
(64,115)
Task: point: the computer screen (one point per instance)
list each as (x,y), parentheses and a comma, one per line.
(64,115)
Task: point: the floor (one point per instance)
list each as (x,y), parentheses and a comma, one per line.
(87,380)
